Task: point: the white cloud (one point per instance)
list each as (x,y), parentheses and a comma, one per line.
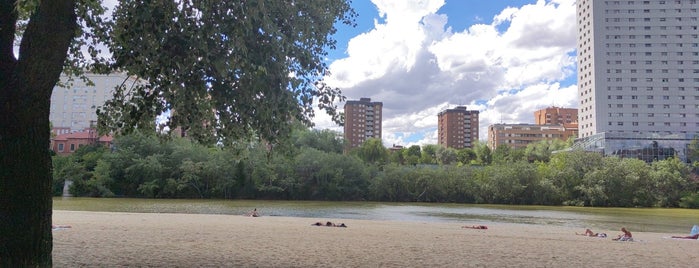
(417,66)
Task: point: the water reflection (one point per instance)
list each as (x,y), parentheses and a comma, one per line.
(649,220)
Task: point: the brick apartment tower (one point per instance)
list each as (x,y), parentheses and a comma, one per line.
(362,121)
(458,128)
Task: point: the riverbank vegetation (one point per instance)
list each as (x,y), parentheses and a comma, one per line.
(312,166)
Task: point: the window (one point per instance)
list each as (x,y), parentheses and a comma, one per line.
(60,147)
(72,147)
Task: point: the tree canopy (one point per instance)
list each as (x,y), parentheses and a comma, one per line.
(224,69)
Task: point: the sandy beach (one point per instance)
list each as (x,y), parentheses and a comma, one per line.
(107,239)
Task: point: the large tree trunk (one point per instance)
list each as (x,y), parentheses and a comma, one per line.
(25,93)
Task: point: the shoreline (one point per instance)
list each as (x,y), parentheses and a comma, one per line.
(115,239)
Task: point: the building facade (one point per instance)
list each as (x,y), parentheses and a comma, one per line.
(521,135)
(638,71)
(75,108)
(457,128)
(638,66)
(556,116)
(362,121)
(68,143)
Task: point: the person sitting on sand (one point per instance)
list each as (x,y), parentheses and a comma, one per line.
(341,225)
(253,213)
(590,233)
(696,236)
(476,227)
(625,236)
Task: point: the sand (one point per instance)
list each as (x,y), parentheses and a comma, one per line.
(107,239)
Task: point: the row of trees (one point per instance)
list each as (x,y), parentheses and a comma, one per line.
(314,167)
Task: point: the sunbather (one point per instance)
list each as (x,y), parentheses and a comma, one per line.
(589,232)
(625,236)
(476,227)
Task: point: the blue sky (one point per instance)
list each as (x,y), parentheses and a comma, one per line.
(419,57)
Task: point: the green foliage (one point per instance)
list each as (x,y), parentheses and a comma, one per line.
(223,67)
(313,169)
(690,201)
(428,155)
(372,151)
(323,140)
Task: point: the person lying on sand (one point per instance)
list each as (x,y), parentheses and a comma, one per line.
(624,236)
(590,233)
(696,236)
(329,224)
(56,227)
(476,227)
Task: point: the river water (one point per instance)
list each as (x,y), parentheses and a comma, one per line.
(678,221)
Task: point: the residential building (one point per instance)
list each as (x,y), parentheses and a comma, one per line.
(68,143)
(457,128)
(75,107)
(638,72)
(566,117)
(362,121)
(521,135)
(556,116)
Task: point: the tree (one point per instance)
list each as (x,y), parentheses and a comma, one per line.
(446,156)
(412,155)
(231,57)
(372,151)
(429,154)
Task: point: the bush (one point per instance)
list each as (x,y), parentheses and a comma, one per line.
(690,201)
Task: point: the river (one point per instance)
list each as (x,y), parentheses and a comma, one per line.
(667,220)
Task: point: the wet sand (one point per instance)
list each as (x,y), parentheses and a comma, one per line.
(108,239)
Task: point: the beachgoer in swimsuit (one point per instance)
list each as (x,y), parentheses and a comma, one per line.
(476,227)
(625,236)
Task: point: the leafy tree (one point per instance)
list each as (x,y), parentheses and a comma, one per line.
(483,153)
(541,151)
(198,57)
(323,140)
(670,182)
(372,151)
(566,171)
(412,155)
(465,156)
(429,154)
(693,151)
(446,156)
(397,156)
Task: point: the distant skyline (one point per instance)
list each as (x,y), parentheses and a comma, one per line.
(505,58)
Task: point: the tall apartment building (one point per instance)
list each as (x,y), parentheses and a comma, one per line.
(75,108)
(457,128)
(638,73)
(362,121)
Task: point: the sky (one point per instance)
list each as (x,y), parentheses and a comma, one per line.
(504,58)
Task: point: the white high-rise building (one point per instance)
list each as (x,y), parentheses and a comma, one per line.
(74,108)
(638,68)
